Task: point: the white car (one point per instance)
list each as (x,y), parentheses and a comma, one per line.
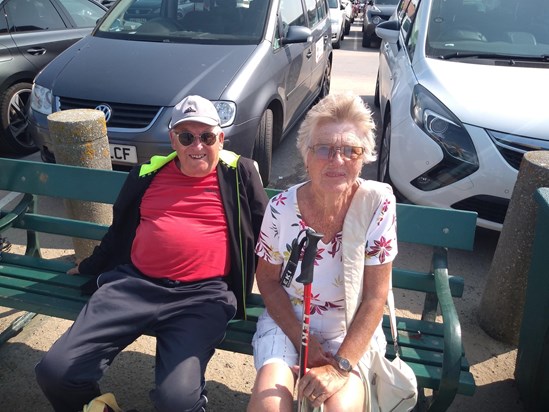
(462,88)
(347,15)
(337,20)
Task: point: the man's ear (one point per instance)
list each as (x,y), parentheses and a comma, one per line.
(172,137)
(221,137)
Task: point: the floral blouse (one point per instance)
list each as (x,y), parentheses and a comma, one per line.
(282,223)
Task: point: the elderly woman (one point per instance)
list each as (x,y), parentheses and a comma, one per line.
(335,140)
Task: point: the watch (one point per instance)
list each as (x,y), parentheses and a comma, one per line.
(343,364)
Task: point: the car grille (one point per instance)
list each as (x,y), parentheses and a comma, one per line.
(488,207)
(513,147)
(127,116)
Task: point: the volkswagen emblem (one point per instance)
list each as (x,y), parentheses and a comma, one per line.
(106,109)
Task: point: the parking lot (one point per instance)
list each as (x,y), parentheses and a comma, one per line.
(230,376)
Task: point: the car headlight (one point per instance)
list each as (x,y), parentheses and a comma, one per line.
(41,99)
(459,154)
(376,20)
(226,111)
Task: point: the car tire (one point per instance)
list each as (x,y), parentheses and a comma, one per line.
(366,39)
(347,27)
(337,44)
(384,153)
(377,102)
(263,146)
(14,136)
(326,81)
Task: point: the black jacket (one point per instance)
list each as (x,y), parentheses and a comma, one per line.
(244,201)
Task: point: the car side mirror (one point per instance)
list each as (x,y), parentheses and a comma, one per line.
(388,31)
(297,34)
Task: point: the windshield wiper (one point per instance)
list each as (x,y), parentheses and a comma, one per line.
(510,57)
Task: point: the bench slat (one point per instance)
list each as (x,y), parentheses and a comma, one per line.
(424,282)
(51,180)
(436,227)
(61,226)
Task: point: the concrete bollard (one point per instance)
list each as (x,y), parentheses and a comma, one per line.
(502,303)
(79,138)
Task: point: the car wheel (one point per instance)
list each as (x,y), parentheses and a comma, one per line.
(337,44)
(366,39)
(326,81)
(377,102)
(384,152)
(347,27)
(263,147)
(14,137)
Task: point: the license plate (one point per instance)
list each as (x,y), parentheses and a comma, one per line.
(123,154)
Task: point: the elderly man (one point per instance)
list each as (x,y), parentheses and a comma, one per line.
(177,261)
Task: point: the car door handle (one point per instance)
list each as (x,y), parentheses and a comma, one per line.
(309,53)
(36,51)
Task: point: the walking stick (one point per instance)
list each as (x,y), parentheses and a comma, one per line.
(306,278)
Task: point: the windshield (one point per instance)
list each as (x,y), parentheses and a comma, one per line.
(494,28)
(194,21)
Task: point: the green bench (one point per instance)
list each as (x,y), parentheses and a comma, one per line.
(31,283)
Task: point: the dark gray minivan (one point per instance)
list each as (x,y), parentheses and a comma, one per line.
(262,62)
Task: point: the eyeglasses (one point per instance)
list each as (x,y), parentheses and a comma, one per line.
(187,138)
(328,152)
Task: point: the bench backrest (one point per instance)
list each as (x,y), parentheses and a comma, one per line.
(436,227)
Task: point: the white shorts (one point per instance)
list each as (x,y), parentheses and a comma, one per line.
(271,345)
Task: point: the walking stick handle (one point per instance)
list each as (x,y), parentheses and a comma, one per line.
(308,262)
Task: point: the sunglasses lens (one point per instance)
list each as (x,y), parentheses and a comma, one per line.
(186,138)
(208,138)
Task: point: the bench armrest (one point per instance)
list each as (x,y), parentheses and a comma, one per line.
(7,218)
(451,364)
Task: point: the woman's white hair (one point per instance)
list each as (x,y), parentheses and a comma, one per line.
(339,108)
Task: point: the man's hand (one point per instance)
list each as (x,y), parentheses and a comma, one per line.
(73,271)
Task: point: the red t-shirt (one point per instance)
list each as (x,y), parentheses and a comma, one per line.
(183,232)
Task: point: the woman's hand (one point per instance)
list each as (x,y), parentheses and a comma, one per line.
(321,383)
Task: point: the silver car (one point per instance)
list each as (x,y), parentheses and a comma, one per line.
(262,62)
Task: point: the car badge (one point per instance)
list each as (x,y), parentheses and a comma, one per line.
(106,109)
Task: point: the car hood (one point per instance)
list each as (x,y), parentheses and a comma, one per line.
(146,73)
(501,98)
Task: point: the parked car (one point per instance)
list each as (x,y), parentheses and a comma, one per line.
(32,33)
(262,63)
(377,11)
(462,88)
(337,20)
(347,15)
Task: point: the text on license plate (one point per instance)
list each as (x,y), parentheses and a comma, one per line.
(123,154)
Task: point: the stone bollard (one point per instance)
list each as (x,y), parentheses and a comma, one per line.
(79,138)
(502,302)
(532,366)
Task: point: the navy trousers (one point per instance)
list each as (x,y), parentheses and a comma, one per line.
(188,319)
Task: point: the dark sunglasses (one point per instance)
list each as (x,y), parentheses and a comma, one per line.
(328,152)
(187,138)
